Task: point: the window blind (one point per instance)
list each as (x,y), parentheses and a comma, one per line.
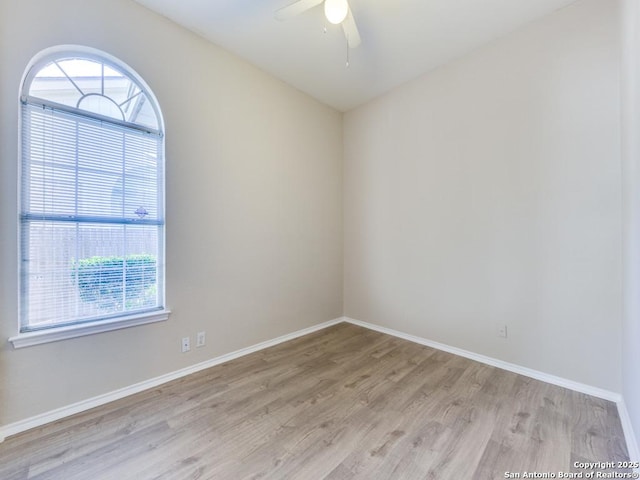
(91,217)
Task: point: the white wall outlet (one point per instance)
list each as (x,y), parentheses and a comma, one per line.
(186,344)
(502,331)
(201,339)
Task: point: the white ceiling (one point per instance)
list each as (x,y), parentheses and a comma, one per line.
(401,39)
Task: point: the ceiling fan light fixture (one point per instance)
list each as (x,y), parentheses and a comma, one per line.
(336,10)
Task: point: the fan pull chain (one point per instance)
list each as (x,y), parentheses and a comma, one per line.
(347,63)
(347,41)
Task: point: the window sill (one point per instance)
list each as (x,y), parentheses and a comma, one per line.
(29,339)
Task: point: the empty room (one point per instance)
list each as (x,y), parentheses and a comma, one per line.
(319,239)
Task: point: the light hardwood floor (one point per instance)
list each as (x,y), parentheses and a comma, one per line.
(342,403)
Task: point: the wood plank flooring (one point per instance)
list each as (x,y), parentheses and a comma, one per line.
(342,403)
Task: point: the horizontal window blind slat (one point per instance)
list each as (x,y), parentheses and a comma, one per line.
(31,217)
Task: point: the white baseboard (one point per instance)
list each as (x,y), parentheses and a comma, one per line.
(632,444)
(59,413)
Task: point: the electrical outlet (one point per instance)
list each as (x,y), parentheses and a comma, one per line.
(186,344)
(502,331)
(201,339)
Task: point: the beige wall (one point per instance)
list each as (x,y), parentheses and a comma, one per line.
(631,210)
(488,192)
(254,204)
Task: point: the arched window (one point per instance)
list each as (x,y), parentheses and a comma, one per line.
(92,196)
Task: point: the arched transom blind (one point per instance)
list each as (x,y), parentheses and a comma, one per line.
(92,194)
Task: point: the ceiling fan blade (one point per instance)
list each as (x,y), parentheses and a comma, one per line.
(351,30)
(296,8)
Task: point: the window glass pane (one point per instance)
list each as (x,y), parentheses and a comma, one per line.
(51,83)
(52,189)
(95,87)
(97,194)
(79,272)
(49,249)
(119,88)
(101,105)
(100,147)
(86,74)
(141,112)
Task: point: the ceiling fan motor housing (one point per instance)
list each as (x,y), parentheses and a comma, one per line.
(336,10)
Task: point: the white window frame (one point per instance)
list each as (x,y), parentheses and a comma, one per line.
(26,337)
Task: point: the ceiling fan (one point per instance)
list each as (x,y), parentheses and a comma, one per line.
(336,11)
